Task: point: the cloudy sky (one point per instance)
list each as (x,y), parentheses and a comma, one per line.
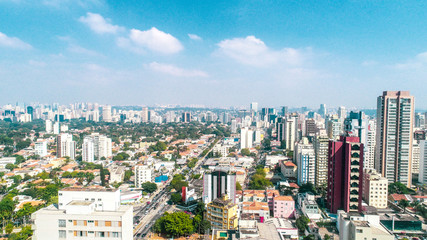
(216,53)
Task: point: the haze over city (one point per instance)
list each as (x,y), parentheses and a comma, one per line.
(215,53)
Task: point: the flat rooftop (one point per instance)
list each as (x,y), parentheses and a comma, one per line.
(85,189)
(80,203)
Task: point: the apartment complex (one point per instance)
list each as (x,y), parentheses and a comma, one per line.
(395,113)
(222,213)
(345,174)
(306,161)
(84,213)
(375,188)
(96,147)
(65,146)
(142,175)
(218,183)
(321,143)
(284,207)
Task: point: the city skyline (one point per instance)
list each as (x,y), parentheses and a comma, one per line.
(211,53)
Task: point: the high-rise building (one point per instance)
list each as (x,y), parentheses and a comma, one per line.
(84,213)
(30,110)
(106,113)
(96,147)
(290,133)
(284,111)
(334,128)
(233,126)
(415,157)
(246,138)
(395,113)
(422,177)
(56,128)
(311,128)
(323,110)
(65,146)
(144,114)
(88,154)
(358,125)
(375,188)
(49,126)
(254,107)
(345,174)
(218,183)
(306,162)
(420,120)
(342,113)
(186,117)
(143,174)
(321,143)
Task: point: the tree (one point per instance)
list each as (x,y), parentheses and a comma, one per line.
(326,237)
(178,182)
(175,224)
(283,144)
(302,223)
(102,175)
(266,143)
(310,237)
(245,152)
(399,188)
(176,198)
(128,174)
(308,187)
(10,166)
(9,228)
(238,186)
(149,187)
(403,204)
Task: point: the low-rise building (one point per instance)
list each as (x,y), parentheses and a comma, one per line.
(260,210)
(284,207)
(288,169)
(375,189)
(309,207)
(222,213)
(82,212)
(354,226)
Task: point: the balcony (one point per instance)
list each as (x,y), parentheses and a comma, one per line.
(355,163)
(355,155)
(355,147)
(354,185)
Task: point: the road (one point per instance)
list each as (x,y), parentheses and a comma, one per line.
(147,215)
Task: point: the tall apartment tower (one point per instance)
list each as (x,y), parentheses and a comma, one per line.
(321,144)
(106,113)
(186,117)
(218,183)
(345,175)
(144,114)
(422,178)
(246,138)
(306,162)
(65,146)
(395,113)
(96,147)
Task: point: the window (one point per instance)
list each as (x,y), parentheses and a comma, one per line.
(62,234)
(359,230)
(60,194)
(101,234)
(115,234)
(90,221)
(108,223)
(61,223)
(99,199)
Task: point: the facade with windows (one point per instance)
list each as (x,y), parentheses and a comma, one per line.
(142,175)
(375,189)
(395,114)
(84,213)
(222,214)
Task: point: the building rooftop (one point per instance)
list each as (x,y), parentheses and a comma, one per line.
(87,189)
(361,223)
(80,203)
(283,198)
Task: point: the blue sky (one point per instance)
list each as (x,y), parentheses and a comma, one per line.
(216,53)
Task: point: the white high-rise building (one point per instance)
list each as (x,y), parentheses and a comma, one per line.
(422,177)
(290,134)
(415,157)
(65,146)
(342,113)
(306,161)
(40,148)
(56,128)
(246,138)
(369,147)
(142,175)
(254,107)
(106,113)
(84,213)
(233,126)
(395,114)
(144,114)
(88,149)
(257,136)
(96,147)
(49,126)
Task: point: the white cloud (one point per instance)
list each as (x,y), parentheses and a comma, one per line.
(253,51)
(153,40)
(81,50)
(99,24)
(417,63)
(175,71)
(194,37)
(13,42)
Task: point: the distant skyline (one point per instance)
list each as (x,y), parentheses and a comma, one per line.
(213,53)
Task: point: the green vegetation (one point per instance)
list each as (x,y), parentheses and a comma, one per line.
(178,181)
(121,156)
(238,186)
(399,188)
(302,223)
(192,163)
(175,224)
(149,187)
(128,174)
(176,198)
(308,187)
(258,180)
